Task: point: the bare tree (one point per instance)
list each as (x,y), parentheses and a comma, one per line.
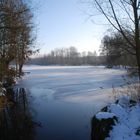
(15,34)
(113,48)
(124,15)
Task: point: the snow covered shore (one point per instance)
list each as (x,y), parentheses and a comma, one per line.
(127,124)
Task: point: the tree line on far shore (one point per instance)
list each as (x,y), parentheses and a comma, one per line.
(70,56)
(66,56)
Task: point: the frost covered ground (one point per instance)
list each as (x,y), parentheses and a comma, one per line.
(64,99)
(128,125)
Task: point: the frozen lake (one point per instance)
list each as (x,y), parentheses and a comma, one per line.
(64,99)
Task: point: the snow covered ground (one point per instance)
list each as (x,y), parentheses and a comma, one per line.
(128,125)
(65,98)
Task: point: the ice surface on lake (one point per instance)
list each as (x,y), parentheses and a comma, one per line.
(73,83)
(65,98)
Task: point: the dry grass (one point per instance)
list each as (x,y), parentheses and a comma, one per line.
(131,90)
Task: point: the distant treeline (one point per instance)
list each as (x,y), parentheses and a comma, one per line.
(71,56)
(68,56)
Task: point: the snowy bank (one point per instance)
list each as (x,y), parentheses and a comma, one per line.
(118,121)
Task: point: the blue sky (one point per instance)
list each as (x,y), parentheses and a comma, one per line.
(64,23)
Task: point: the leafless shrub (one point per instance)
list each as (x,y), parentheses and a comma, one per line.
(131,90)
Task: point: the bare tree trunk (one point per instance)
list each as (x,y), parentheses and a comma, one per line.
(136,23)
(138,61)
(20,69)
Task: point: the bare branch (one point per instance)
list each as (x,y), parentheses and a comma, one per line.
(119,25)
(127,12)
